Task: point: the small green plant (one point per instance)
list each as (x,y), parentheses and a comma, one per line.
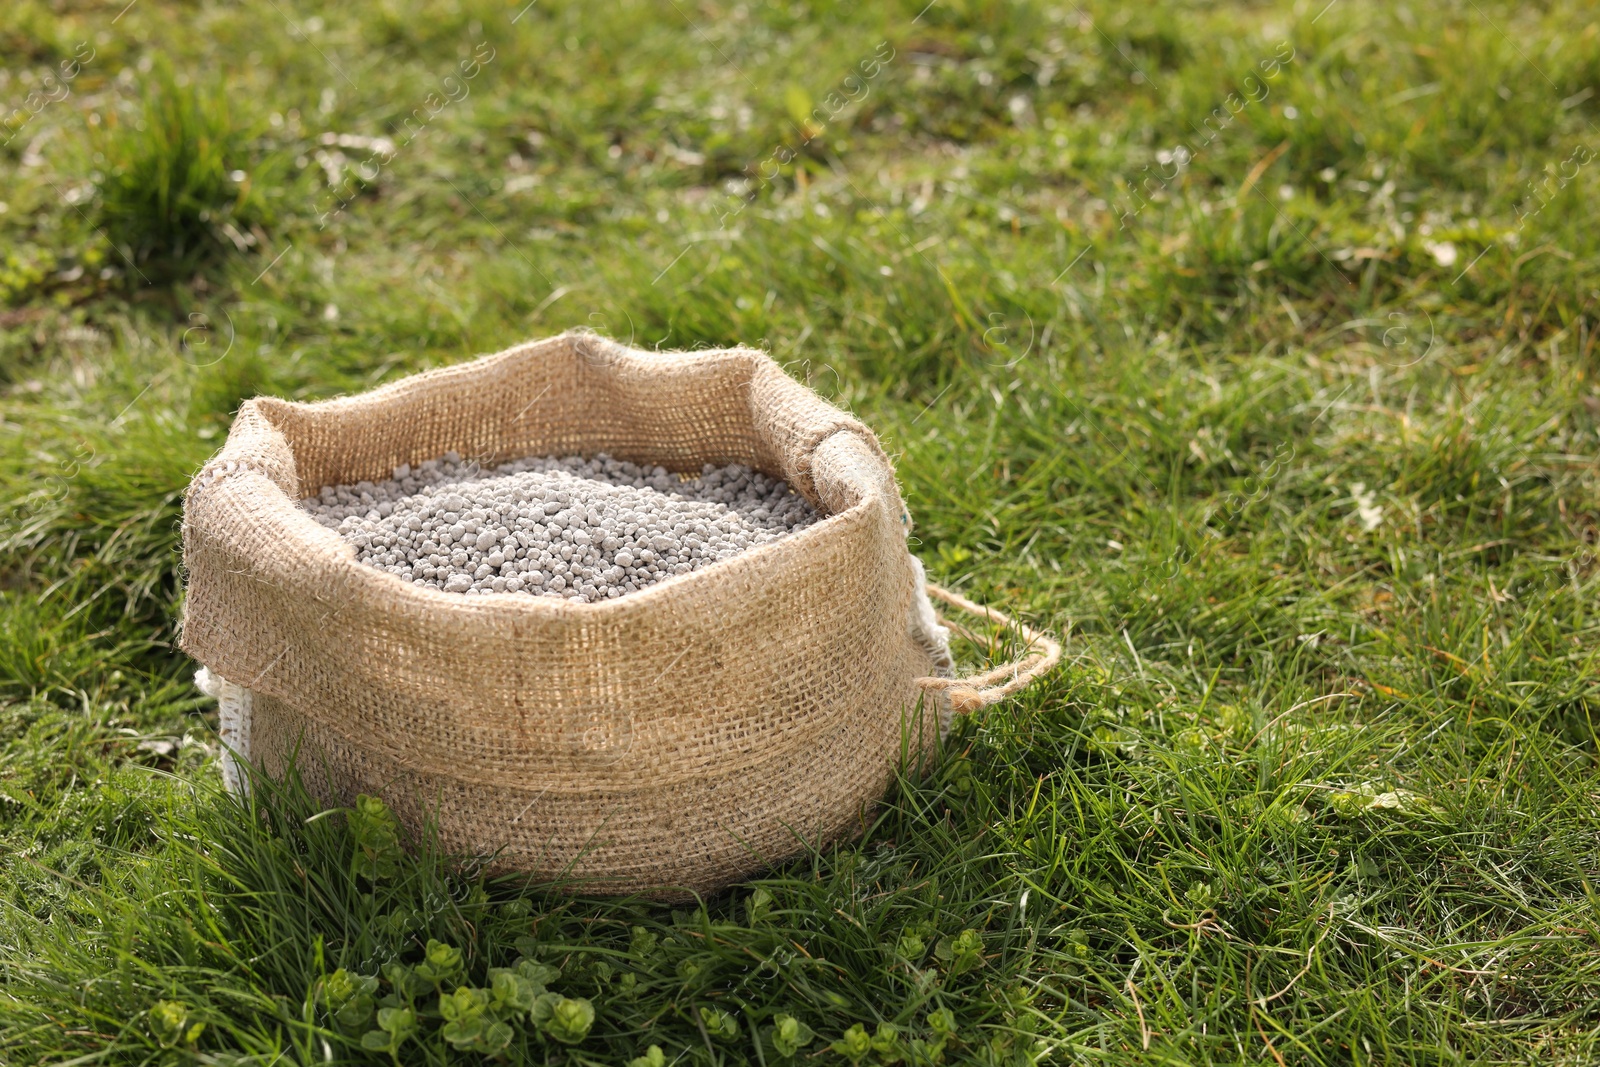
(1201,895)
(790,1035)
(441,964)
(961,953)
(643,943)
(173,189)
(395,1027)
(653,1057)
(400,923)
(911,947)
(170,1025)
(469,1023)
(957,775)
(406,983)
(719,1024)
(510,992)
(942,1024)
(539,975)
(569,1020)
(885,1046)
(855,1045)
(471,1018)
(349,998)
(1074,948)
(377,836)
(757,905)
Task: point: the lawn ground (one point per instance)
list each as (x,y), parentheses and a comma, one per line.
(1251,346)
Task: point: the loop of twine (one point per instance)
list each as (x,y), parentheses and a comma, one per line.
(971,694)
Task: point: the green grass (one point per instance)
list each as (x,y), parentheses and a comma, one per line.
(1316,501)
(171,196)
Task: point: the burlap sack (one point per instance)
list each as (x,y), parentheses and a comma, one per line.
(676,738)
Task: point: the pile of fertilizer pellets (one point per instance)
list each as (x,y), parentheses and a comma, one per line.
(582,529)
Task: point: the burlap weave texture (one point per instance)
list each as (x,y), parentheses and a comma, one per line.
(678,737)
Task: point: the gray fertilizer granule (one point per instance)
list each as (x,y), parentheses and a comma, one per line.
(581,529)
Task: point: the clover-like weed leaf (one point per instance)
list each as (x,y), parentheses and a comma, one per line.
(400,923)
(496,1036)
(1202,895)
(931,1053)
(170,1025)
(466,1017)
(643,943)
(441,964)
(349,998)
(510,992)
(958,776)
(961,953)
(719,1024)
(395,1027)
(886,1044)
(757,905)
(464,1005)
(539,975)
(1074,946)
(377,839)
(855,1045)
(911,947)
(470,1023)
(570,1020)
(407,984)
(790,1035)
(653,1057)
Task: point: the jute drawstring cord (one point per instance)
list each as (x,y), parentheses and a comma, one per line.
(971,694)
